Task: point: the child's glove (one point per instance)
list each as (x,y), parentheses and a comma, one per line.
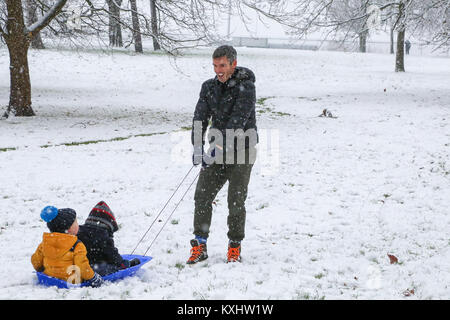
(129,263)
(134,262)
(125,264)
(96,281)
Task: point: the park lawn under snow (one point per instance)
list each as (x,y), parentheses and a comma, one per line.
(329,198)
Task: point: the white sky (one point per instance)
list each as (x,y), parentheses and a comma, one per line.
(270,29)
(255,27)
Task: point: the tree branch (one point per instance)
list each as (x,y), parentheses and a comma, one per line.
(2,33)
(45,20)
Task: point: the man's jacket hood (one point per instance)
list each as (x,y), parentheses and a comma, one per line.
(240,74)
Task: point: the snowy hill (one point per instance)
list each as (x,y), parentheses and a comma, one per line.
(329,198)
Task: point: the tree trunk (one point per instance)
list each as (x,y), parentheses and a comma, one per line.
(136,28)
(20,92)
(392,40)
(362,42)
(363,32)
(115,29)
(18,43)
(154,22)
(36,40)
(400,55)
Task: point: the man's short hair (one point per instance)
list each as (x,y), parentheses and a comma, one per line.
(225,51)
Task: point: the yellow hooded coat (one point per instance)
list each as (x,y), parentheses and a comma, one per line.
(56,257)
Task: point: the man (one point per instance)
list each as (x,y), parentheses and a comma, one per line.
(228,100)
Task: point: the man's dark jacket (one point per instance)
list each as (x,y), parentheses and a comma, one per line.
(229,105)
(100,247)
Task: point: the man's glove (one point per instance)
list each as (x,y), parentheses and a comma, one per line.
(96,281)
(197,156)
(208,159)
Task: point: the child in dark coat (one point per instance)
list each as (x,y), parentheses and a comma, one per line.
(97,234)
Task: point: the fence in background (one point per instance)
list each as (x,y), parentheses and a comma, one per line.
(333,45)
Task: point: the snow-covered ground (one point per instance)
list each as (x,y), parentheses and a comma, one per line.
(329,198)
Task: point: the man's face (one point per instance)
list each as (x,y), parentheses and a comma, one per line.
(223,68)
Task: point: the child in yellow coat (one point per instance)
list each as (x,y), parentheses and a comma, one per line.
(61,254)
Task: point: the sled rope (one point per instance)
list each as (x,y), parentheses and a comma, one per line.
(154,239)
(165,205)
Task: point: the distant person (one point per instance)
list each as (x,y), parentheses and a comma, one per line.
(97,234)
(61,254)
(407,46)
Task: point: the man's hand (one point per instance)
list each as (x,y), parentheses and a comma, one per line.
(209,158)
(197,156)
(206,159)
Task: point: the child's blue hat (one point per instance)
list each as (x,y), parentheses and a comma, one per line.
(58,220)
(49,213)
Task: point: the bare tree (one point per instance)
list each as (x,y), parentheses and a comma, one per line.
(172,24)
(188,23)
(18,38)
(430,22)
(391,33)
(183,23)
(154,25)
(115,30)
(401,27)
(343,15)
(32,17)
(339,19)
(427,19)
(136,28)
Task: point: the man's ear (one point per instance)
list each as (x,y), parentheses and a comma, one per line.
(234,64)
